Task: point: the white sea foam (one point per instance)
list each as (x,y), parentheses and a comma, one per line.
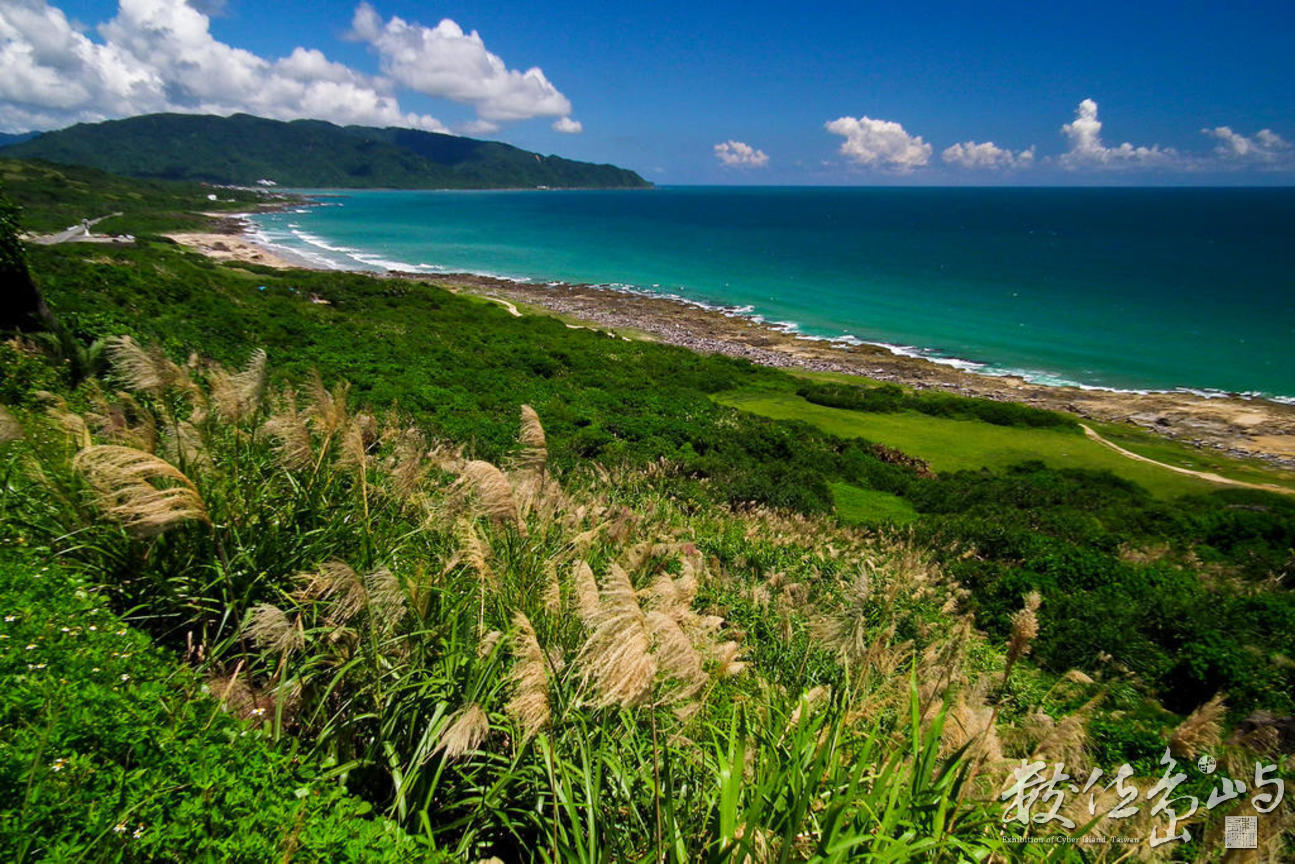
(349,257)
(315,240)
(306,256)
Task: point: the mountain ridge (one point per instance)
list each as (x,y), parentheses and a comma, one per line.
(242,149)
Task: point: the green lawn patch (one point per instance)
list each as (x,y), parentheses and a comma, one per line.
(870,507)
(955,445)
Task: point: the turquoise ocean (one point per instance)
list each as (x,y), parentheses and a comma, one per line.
(1143,289)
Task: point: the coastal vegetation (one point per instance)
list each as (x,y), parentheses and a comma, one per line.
(400,574)
(892,399)
(55,197)
(948,444)
(242,150)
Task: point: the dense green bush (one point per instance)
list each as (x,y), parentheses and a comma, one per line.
(1070,534)
(889,398)
(461,367)
(632,403)
(676,703)
(111,752)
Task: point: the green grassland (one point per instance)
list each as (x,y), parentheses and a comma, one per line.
(857,506)
(1126,435)
(965,445)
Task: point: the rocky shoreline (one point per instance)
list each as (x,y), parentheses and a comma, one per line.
(1237,426)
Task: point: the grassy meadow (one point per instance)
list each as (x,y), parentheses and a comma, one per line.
(966,445)
(404,577)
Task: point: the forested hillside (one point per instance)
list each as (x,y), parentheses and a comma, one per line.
(242,150)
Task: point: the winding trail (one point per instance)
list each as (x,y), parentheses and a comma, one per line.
(1203,475)
(512,310)
(76,232)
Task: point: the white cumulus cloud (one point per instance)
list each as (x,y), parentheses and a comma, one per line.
(1088,151)
(569,126)
(738,154)
(986,154)
(479,127)
(1264,147)
(880,143)
(159,55)
(445,62)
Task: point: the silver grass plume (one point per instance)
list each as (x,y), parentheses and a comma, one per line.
(466,731)
(808,701)
(124,481)
(849,631)
(529,705)
(535,450)
(187,445)
(675,655)
(616,660)
(238,396)
(1202,730)
(123,421)
(685,586)
(586,591)
(288,427)
(327,408)
(147,369)
(10,428)
(494,493)
(552,596)
(271,630)
(727,660)
(72,424)
(1025,627)
(488,643)
(475,552)
(357,436)
(336,582)
(1065,741)
(663,593)
(385,596)
(407,467)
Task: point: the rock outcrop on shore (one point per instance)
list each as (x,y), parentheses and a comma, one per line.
(1237,426)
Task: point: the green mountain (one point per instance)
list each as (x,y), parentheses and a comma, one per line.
(242,149)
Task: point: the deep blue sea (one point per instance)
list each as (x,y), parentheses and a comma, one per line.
(1120,288)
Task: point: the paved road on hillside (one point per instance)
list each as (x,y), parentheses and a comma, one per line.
(73,233)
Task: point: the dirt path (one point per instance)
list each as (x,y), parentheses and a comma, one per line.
(512,310)
(1203,475)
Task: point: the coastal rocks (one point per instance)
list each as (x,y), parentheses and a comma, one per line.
(1149,420)
(1251,428)
(890,455)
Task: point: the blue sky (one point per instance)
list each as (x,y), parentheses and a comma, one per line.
(937,93)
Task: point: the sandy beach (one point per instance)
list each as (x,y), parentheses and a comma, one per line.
(1243,427)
